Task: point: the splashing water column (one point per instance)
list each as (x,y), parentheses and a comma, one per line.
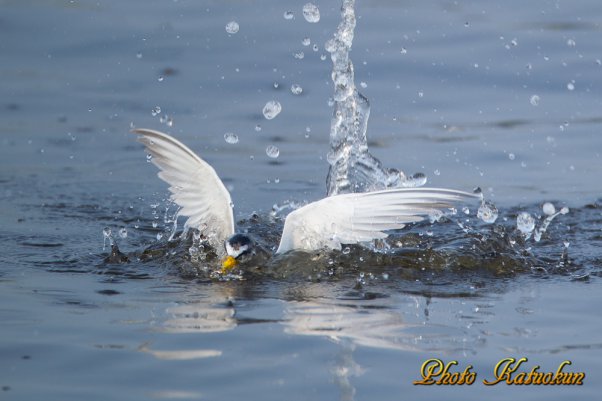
(352,167)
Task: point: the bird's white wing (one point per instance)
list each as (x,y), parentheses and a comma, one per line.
(361,217)
(194,185)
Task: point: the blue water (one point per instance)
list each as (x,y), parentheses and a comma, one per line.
(456,106)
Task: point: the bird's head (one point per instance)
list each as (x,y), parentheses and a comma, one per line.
(237,246)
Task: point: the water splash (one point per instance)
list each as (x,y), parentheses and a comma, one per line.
(107,236)
(352,167)
(551,213)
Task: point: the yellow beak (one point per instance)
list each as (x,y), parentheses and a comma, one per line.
(228,264)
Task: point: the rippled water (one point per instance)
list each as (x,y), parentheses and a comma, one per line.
(504,96)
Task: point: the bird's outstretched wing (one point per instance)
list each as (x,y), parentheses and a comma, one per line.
(361,217)
(194,185)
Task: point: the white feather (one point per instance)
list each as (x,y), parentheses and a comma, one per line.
(194,185)
(361,217)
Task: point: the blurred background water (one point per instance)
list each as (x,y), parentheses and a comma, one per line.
(501,95)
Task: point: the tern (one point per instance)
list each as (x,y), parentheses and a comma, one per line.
(327,223)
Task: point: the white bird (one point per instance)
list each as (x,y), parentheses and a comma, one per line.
(328,223)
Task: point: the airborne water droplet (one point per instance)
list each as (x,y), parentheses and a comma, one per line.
(232,27)
(271,109)
(156,111)
(123,232)
(289,15)
(231,138)
(272,151)
(306,42)
(525,223)
(311,13)
(534,100)
(296,89)
(487,212)
(548,209)
(571,86)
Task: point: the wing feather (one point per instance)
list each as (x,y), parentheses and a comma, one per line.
(361,217)
(194,185)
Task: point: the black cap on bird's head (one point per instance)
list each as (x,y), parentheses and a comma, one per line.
(236,246)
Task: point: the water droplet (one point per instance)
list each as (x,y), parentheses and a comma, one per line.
(159,236)
(232,27)
(138,55)
(571,86)
(123,232)
(271,109)
(437,172)
(487,212)
(315,47)
(564,210)
(311,13)
(525,223)
(363,84)
(160,79)
(106,232)
(571,43)
(296,89)
(155,224)
(156,111)
(511,156)
(534,100)
(272,151)
(346,250)
(231,138)
(403,50)
(306,42)
(289,15)
(149,158)
(466,210)
(299,55)
(323,57)
(548,208)
(258,128)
